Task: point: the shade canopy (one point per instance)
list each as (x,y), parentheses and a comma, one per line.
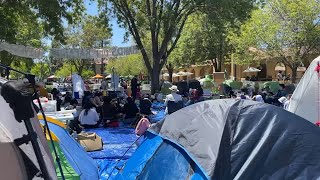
(52,77)
(165,75)
(188,73)
(251,69)
(97,76)
(109,76)
(175,75)
(181,73)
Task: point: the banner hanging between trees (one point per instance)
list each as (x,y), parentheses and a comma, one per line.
(22,51)
(69,53)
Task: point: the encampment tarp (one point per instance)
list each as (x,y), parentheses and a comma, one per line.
(228,139)
(116,141)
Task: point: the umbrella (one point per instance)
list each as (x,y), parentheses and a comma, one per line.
(109,76)
(97,76)
(52,77)
(251,69)
(175,75)
(165,75)
(181,73)
(188,73)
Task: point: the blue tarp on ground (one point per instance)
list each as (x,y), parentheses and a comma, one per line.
(75,154)
(116,141)
(158,109)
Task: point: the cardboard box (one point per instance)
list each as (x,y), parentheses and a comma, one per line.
(90,141)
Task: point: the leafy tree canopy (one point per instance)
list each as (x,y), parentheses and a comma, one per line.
(283,29)
(128,65)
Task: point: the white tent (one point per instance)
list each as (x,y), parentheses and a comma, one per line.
(305,99)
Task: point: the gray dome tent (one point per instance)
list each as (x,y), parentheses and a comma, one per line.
(20,162)
(228,139)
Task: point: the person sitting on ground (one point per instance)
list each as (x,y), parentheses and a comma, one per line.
(145,105)
(87,97)
(172,97)
(109,110)
(89,117)
(196,95)
(67,98)
(97,101)
(130,111)
(258,98)
(73,104)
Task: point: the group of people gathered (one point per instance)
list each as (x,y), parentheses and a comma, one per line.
(281,98)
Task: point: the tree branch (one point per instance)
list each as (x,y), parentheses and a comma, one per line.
(130,21)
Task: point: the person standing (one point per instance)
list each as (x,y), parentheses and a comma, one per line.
(134,87)
(280,76)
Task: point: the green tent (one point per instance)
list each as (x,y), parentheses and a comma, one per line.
(233,84)
(165,87)
(207,82)
(68,172)
(272,86)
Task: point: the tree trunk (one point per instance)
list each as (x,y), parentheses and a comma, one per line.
(155,75)
(155,81)
(294,74)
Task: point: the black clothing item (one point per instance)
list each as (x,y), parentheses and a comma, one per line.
(74,125)
(86,100)
(130,110)
(109,111)
(134,83)
(134,93)
(145,106)
(67,98)
(59,102)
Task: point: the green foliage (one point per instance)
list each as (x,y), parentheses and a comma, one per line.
(23,65)
(68,68)
(49,13)
(205,34)
(129,65)
(41,70)
(90,33)
(288,30)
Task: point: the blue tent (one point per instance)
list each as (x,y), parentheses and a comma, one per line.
(228,139)
(77,157)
